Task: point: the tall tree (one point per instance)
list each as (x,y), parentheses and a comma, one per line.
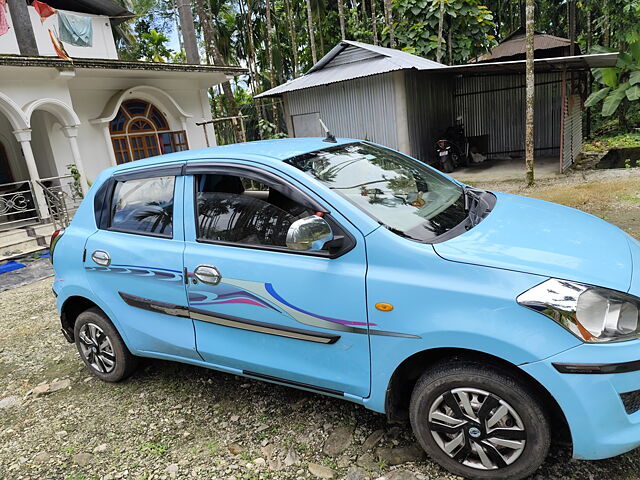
(188,31)
(214,55)
(343,32)
(374,22)
(292,33)
(440,28)
(272,79)
(312,40)
(388,16)
(530,93)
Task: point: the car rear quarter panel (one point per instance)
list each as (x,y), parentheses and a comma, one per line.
(448,305)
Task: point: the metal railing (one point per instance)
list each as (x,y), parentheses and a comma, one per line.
(63,198)
(17,204)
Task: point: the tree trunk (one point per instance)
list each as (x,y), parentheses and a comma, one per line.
(450,44)
(606,38)
(374,23)
(572,27)
(530,94)
(440,27)
(22,27)
(252,63)
(320,34)
(188,31)
(388,15)
(292,33)
(312,39)
(214,54)
(343,32)
(272,79)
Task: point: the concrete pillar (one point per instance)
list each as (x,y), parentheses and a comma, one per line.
(24,138)
(72,134)
(402,120)
(23,28)
(109,144)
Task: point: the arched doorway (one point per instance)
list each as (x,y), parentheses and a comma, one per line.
(5,168)
(140,130)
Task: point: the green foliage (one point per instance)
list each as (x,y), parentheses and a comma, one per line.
(77,179)
(621,83)
(627,140)
(469,23)
(268,130)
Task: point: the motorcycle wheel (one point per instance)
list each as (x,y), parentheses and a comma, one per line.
(447,164)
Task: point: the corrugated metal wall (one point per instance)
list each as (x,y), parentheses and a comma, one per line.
(572,143)
(429,111)
(494,106)
(361,108)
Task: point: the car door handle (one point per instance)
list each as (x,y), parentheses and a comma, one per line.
(101,257)
(207,274)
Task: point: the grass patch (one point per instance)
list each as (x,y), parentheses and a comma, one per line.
(157,448)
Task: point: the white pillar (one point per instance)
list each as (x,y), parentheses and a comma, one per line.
(109,144)
(72,134)
(24,138)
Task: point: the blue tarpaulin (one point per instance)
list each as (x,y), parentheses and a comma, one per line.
(10,266)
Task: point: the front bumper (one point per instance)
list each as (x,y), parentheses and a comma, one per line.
(599,423)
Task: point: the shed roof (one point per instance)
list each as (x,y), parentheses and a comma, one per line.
(515,44)
(350,59)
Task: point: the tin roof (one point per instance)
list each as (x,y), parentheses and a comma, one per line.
(515,44)
(350,59)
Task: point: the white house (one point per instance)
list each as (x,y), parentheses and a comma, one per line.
(92,111)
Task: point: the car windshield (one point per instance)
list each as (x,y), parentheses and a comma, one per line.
(406,196)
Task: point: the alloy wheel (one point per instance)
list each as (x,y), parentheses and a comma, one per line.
(96,348)
(477,428)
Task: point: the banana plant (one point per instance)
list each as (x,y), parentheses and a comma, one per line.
(620,84)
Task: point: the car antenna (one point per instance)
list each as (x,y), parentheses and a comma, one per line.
(329,138)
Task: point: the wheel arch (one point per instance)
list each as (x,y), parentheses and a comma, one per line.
(406,375)
(70,310)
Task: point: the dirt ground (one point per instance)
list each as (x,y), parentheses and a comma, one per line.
(177,421)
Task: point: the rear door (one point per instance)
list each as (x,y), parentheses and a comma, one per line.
(134,261)
(295,317)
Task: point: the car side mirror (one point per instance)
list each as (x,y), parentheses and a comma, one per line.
(309,234)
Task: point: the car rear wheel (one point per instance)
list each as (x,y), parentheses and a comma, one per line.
(101,347)
(478,422)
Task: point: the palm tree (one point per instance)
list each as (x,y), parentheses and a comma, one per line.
(312,40)
(388,16)
(341,17)
(292,33)
(272,80)
(440,28)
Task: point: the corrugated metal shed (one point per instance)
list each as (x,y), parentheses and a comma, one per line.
(359,108)
(349,60)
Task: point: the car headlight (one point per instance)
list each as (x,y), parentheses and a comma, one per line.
(593,314)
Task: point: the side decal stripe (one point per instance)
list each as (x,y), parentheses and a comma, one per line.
(262,327)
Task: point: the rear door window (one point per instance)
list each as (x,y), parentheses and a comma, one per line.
(144,206)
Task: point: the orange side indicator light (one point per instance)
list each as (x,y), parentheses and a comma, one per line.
(384,307)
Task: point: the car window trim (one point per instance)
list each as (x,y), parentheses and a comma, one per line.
(260,175)
(108,206)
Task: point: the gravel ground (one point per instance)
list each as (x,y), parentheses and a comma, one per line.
(178,421)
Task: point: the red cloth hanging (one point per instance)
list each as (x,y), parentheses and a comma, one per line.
(4,24)
(44,10)
(58,47)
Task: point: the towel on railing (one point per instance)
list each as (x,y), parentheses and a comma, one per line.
(75,29)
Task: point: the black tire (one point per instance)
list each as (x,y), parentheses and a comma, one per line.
(433,394)
(101,347)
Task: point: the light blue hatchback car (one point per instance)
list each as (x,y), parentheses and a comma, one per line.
(491,321)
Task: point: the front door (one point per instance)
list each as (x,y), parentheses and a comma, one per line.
(134,263)
(259,307)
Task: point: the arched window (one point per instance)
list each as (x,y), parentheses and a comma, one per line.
(140,130)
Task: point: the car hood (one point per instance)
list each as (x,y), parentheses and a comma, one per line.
(548,239)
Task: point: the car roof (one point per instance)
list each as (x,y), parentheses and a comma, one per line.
(275,150)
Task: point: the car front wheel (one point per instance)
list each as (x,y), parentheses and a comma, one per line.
(479,422)
(101,347)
